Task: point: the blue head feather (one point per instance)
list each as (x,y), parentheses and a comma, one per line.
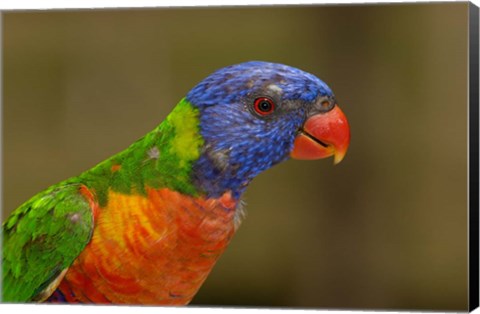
(240,144)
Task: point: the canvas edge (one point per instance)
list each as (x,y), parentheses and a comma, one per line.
(473,40)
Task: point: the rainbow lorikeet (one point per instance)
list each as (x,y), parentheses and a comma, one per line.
(147,225)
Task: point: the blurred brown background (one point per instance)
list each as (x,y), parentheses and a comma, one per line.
(387,228)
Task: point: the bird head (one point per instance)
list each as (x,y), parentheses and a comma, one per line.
(256,114)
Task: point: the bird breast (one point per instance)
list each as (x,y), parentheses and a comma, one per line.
(156,249)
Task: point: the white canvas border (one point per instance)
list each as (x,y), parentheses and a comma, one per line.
(7,5)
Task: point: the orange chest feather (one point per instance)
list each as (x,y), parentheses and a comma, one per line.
(157,249)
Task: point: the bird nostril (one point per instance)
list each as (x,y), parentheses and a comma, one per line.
(323,104)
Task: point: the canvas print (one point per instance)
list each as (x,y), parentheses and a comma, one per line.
(267,156)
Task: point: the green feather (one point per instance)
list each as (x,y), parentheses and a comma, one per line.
(162,158)
(41,238)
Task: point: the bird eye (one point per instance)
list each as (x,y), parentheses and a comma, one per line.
(264,106)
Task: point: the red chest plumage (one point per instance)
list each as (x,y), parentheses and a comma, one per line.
(157,249)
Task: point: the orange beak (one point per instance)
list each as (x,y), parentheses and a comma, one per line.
(323,135)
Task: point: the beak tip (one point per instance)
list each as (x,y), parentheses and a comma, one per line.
(338,157)
(336,160)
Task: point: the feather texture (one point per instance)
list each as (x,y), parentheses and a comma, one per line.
(156,249)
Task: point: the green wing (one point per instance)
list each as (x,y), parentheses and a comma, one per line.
(41,239)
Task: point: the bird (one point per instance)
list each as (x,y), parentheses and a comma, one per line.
(147,225)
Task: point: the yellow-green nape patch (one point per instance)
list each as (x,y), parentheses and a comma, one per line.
(178,142)
(187,140)
(163,158)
